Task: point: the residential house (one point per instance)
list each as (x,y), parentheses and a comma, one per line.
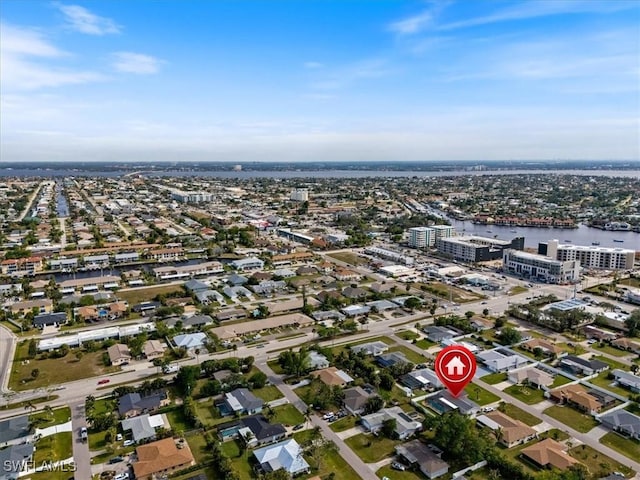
(241,402)
(532,376)
(14,430)
(547,348)
(424,378)
(371,348)
(390,359)
(193,286)
(317,360)
(355,399)
(234,314)
(50,319)
(42,306)
(143,427)
(354,292)
(286,455)
(269,287)
(207,296)
(119,354)
(581,366)
(132,404)
(501,360)
(153,349)
(438,334)
(145,308)
(416,453)
(577,396)
(405,425)
(623,422)
(627,380)
(510,432)
(346,275)
(167,254)
(15,460)
(157,459)
(236,280)
(332,376)
(591,331)
(443,402)
(256,430)
(190,341)
(250,263)
(22,266)
(194,321)
(627,344)
(549,453)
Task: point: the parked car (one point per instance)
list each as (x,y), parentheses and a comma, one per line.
(84,435)
(118,437)
(103,381)
(299,426)
(127,443)
(398,466)
(328,415)
(116,460)
(122,476)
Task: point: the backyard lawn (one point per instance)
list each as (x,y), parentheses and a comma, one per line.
(54,371)
(603,381)
(268,393)
(560,380)
(519,414)
(599,464)
(371,449)
(138,295)
(287,415)
(479,395)
(388,472)
(413,357)
(525,394)
(53,448)
(494,378)
(572,418)
(275,366)
(177,420)
(625,446)
(198,447)
(424,344)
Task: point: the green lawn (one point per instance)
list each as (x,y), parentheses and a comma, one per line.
(387,340)
(612,363)
(343,424)
(53,448)
(209,473)
(424,344)
(603,381)
(572,418)
(560,380)
(239,460)
(199,448)
(287,415)
(138,295)
(54,371)
(413,357)
(268,393)
(275,366)
(11,406)
(494,378)
(207,413)
(371,449)
(348,257)
(616,352)
(177,420)
(97,439)
(389,472)
(519,414)
(479,395)
(407,335)
(623,445)
(527,395)
(56,417)
(104,405)
(599,464)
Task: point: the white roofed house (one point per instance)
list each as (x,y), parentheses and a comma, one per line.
(627,380)
(405,425)
(285,455)
(249,263)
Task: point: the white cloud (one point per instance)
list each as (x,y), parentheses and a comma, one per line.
(82,20)
(313,65)
(23,62)
(139,63)
(350,74)
(421,21)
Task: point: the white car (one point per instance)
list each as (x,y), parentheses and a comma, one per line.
(121,476)
(328,416)
(127,443)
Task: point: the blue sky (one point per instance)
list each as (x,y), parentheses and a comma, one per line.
(319,80)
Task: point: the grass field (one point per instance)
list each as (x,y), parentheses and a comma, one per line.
(603,381)
(449,291)
(348,257)
(388,472)
(287,415)
(560,380)
(268,393)
(147,294)
(599,464)
(275,366)
(616,352)
(494,378)
(371,449)
(198,447)
(572,418)
(479,395)
(54,371)
(424,344)
(343,424)
(209,474)
(612,363)
(625,446)
(11,406)
(517,290)
(53,448)
(527,395)
(407,335)
(177,420)
(519,414)
(413,357)
(56,417)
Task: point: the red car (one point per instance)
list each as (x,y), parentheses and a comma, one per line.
(103,381)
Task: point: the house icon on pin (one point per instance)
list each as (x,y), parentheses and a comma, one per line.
(455,366)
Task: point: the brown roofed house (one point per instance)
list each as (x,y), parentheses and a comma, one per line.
(576,396)
(159,458)
(119,354)
(513,432)
(332,376)
(548,348)
(153,349)
(549,453)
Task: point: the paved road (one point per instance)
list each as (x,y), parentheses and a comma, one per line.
(32,197)
(7,347)
(363,470)
(81,454)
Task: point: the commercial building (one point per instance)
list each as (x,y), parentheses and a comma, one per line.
(589,256)
(471,248)
(539,267)
(422,237)
(299,195)
(191,197)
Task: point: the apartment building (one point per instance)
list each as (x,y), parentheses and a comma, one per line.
(471,248)
(422,237)
(191,197)
(589,256)
(540,267)
(299,195)
(22,266)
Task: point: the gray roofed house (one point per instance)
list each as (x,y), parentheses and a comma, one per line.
(263,431)
(328,315)
(382,305)
(50,319)
(205,296)
(354,292)
(317,360)
(371,348)
(417,453)
(355,399)
(443,402)
(267,287)
(405,425)
(582,366)
(623,422)
(143,427)
(232,314)
(235,279)
(195,286)
(14,460)
(390,359)
(190,340)
(13,429)
(627,379)
(424,378)
(235,292)
(132,404)
(438,334)
(191,322)
(497,361)
(241,401)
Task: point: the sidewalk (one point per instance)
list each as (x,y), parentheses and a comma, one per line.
(62,427)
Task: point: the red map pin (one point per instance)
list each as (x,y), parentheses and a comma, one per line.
(455,366)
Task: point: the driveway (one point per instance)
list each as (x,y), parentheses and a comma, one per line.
(81,454)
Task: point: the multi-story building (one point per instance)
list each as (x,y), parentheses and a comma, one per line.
(476,249)
(22,266)
(191,197)
(541,267)
(590,256)
(443,231)
(299,195)
(422,237)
